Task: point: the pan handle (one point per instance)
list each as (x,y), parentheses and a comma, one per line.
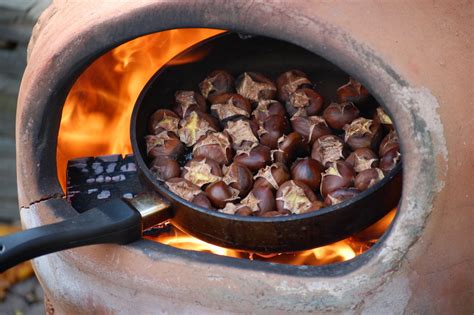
(115,221)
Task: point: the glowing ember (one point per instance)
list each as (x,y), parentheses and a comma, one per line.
(96,121)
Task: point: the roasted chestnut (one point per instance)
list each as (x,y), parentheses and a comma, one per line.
(337,115)
(305,100)
(290,81)
(242,132)
(202,201)
(183,188)
(354,92)
(216,83)
(255,86)
(164,168)
(239,177)
(362,133)
(367,178)
(340,195)
(201,171)
(389,160)
(163,120)
(307,171)
(195,126)
(272,129)
(272,176)
(164,144)
(260,200)
(289,148)
(389,142)
(216,146)
(294,196)
(381,117)
(187,102)
(362,159)
(310,127)
(266,108)
(225,106)
(338,175)
(219,193)
(327,149)
(254,158)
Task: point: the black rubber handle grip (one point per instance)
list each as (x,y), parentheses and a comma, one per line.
(113,222)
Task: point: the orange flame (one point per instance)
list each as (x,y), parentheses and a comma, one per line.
(96,119)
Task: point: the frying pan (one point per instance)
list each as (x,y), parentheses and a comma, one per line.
(123,221)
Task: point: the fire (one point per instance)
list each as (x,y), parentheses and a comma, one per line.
(96,118)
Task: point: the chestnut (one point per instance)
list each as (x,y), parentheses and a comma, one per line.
(216,83)
(272,176)
(290,147)
(337,115)
(201,171)
(202,201)
(340,195)
(294,196)
(225,106)
(266,108)
(238,209)
(183,188)
(389,160)
(163,120)
(244,211)
(316,205)
(306,100)
(362,159)
(195,126)
(381,117)
(367,178)
(216,146)
(290,81)
(362,133)
(242,132)
(260,200)
(239,177)
(310,127)
(272,129)
(187,102)
(307,171)
(389,142)
(354,92)
(327,149)
(164,144)
(219,193)
(255,86)
(164,168)
(338,175)
(254,158)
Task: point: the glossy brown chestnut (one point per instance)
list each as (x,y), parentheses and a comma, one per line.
(382,118)
(307,171)
(219,193)
(163,120)
(255,86)
(243,133)
(266,108)
(367,178)
(289,148)
(337,115)
(216,83)
(260,199)
(389,160)
(272,129)
(290,81)
(201,171)
(244,211)
(239,177)
(328,149)
(340,195)
(363,159)
(295,196)
(226,106)
(305,100)
(389,142)
(183,188)
(216,146)
(354,92)
(188,101)
(363,133)
(164,168)
(338,175)
(195,126)
(254,158)
(272,176)
(164,144)
(310,127)
(202,201)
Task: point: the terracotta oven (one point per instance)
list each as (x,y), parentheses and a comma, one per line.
(417,61)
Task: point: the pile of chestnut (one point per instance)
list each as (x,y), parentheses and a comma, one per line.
(252,146)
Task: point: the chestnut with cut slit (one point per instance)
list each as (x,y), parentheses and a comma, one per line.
(187,102)
(328,149)
(226,106)
(305,100)
(239,177)
(338,175)
(354,92)
(164,168)
(201,171)
(260,200)
(307,171)
(337,115)
(272,176)
(164,144)
(363,159)
(255,86)
(216,83)
(266,108)
(290,81)
(216,146)
(295,196)
(271,129)
(195,126)
(219,193)
(254,158)
(163,120)
(362,133)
